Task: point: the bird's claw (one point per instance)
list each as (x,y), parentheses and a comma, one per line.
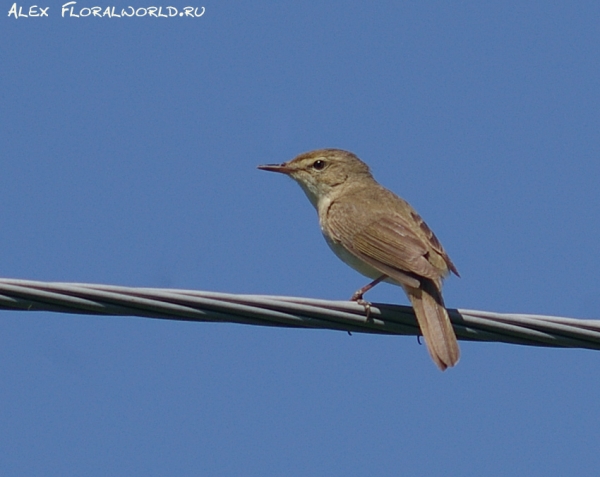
(366,304)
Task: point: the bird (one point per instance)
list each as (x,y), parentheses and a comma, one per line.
(381,236)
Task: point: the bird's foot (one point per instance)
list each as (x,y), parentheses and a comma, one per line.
(366,304)
(358,295)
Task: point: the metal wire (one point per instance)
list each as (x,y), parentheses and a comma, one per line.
(265,310)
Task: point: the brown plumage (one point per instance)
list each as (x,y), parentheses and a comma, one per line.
(379,234)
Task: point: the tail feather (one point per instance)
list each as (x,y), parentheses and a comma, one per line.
(434,323)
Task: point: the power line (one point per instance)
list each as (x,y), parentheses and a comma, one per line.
(265,310)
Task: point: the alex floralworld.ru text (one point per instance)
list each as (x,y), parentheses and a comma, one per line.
(70,10)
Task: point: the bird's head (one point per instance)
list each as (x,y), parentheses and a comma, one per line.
(321,172)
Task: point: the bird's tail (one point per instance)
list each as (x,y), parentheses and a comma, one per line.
(434,322)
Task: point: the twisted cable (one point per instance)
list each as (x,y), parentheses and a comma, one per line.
(295,312)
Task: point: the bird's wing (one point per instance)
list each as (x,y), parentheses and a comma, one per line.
(433,241)
(388,243)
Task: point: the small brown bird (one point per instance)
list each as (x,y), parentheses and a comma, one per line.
(380,235)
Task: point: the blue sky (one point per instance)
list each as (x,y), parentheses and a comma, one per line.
(129,152)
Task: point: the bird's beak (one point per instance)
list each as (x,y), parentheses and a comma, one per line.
(282,168)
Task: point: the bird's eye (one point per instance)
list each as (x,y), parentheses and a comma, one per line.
(318,165)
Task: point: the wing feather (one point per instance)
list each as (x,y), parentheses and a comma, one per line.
(394,244)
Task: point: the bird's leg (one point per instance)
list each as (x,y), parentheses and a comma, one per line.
(358,295)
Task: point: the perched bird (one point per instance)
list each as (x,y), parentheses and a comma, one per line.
(380,235)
